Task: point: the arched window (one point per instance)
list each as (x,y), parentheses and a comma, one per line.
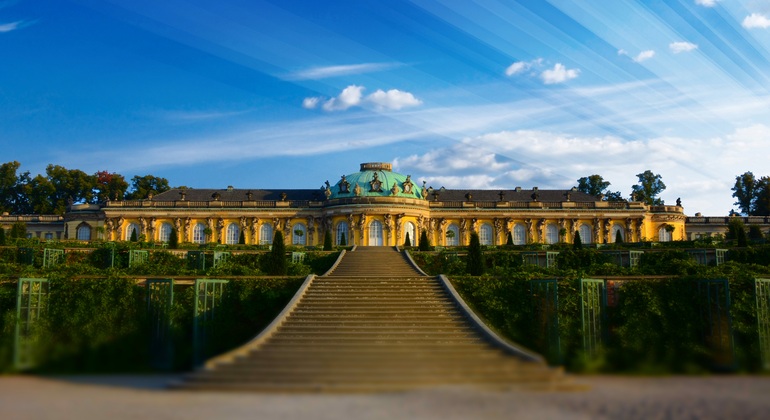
(342,232)
(84,232)
(551,234)
(132,227)
(614,233)
(409,230)
(485,234)
(585,234)
(233,234)
(519,235)
(265,234)
(452,235)
(164,234)
(299,234)
(199,234)
(375,233)
(663,234)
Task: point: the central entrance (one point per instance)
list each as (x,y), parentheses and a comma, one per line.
(375,233)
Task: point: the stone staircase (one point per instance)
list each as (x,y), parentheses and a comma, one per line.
(375,323)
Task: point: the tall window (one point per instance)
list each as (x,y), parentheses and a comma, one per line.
(664,235)
(519,235)
(409,229)
(375,233)
(585,234)
(165,232)
(199,234)
(485,234)
(132,227)
(551,234)
(614,233)
(265,234)
(452,235)
(299,234)
(83,233)
(342,232)
(233,234)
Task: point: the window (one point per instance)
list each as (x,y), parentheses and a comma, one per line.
(342,232)
(664,235)
(132,227)
(199,234)
(48,236)
(233,234)
(165,232)
(375,233)
(585,234)
(83,233)
(409,230)
(452,235)
(485,234)
(551,234)
(265,234)
(614,233)
(299,233)
(519,235)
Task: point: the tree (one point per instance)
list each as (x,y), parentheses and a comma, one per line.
(327,240)
(424,242)
(745,192)
(596,186)
(577,243)
(110,186)
(618,237)
(762,197)
(13,189)
(509,242)
(18,231)
(648,188)
(242,238)
(276,263)
(173,239)
(736,230)
(407,242)
(60,187)
(143,186)
(475,259)
(2,236)
(134,236)
(343,239)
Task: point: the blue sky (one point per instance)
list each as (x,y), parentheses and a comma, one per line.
(485,94)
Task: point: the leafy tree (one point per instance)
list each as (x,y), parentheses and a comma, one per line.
(755,233)
(142,186)
(577,243)
(276,263)
(2,236)
(18,231)
(53,193)
(745,192)
(596,186)
(424,242)
(475,259)
(173,239)
(13,189)
(649,187)
(736,230)
(407,242)
(110,186)
(327,240)
(762,202)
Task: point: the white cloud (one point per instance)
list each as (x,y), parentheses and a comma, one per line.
(755,20)
(8,27)
(522,66)
(343,70)
(393,99)
(682,46)
(352,95)
(706,3)
(558,74)
(644,55)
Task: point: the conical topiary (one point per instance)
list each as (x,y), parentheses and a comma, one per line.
(424,243)
(475,261)
(327,241)
(276,265)
(407,242)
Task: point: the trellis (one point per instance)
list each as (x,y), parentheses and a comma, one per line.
(762,290)
(136,257)
(208,296)
(220,257)
(634,257)
(31,303)
(545,303)
(593,301)
(196,260)
(160,301)
(297,257)
(717,322)
(26,256)
(52,257)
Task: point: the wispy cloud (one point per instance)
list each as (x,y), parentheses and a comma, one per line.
(644,55)
(194,116)
(756,20)
(353,95)
(706,3)
(522,66)
(558,74)
(325,72)
(682,46)
(12,26)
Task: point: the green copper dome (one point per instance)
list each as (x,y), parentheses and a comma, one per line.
(375,179)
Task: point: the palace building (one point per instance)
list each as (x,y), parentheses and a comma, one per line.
(374,207)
